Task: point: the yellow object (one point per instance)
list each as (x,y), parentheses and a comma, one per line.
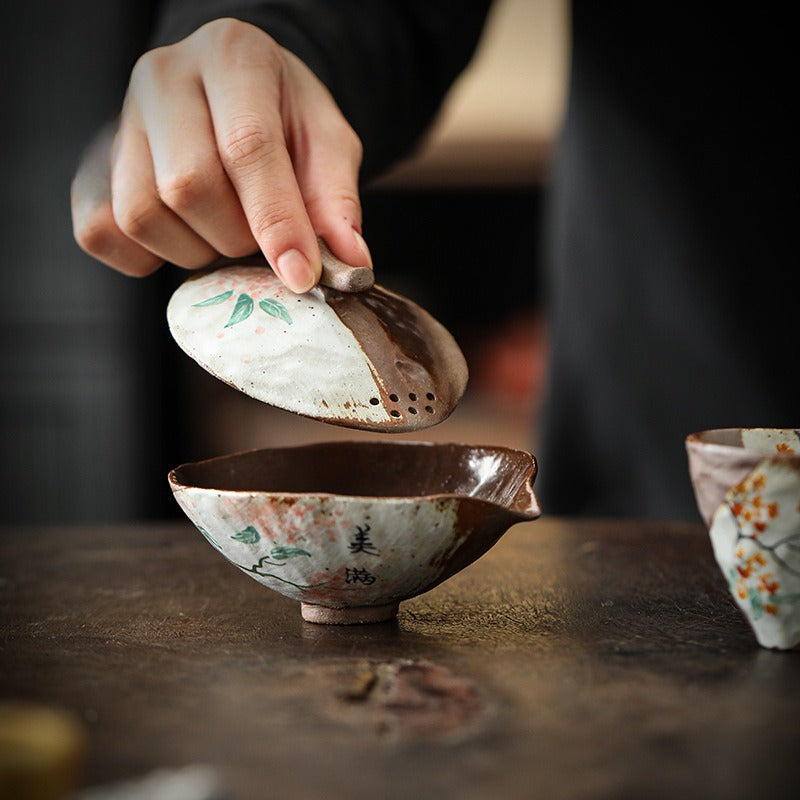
(42,752)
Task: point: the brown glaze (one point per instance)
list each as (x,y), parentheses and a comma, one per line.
(422,370)
(499,476)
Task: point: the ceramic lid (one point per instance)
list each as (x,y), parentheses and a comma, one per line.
(372,360)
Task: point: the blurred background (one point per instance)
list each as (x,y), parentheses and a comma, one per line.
(97,402)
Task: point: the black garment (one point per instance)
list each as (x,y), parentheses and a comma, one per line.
(672,276)
(671,282)
(387,63)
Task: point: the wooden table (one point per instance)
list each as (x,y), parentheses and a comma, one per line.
(577,659)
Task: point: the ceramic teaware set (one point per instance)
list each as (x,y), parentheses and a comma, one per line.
(351,529)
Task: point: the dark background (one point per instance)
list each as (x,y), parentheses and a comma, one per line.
(93,387)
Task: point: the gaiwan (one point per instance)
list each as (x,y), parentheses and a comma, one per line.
(348,529)
(351,529)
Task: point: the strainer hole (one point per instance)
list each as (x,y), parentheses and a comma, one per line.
(429,409)
(394,412)
(394,398)
(374,401)
(412,410)
(430,396)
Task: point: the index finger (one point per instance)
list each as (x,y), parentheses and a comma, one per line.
(245,105)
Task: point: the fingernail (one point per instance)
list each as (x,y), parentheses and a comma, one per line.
(295,271)
(362,246)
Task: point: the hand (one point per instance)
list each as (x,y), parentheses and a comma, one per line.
(226,144)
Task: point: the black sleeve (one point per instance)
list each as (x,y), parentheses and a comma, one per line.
(387,64)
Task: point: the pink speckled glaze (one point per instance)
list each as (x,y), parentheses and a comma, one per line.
(354,528)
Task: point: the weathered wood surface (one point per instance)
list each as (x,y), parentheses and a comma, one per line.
(575,660)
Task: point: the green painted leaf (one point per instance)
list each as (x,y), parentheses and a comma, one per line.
(275,309)
(282,553)
(213,301)
(241,311)
(249,535)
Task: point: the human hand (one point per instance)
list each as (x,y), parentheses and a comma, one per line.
(227,144)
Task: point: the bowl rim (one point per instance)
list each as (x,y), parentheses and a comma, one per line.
(696,440)
(533,512)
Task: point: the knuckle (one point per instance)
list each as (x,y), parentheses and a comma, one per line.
(139,265)
(98,236)
(195,260)
(142,269)
(150,66)
(137,218)
(246,143)
(185,188)
(354,145)
(95,233)
(349,201)
(225,29)
(343,202)
(343,137)
(140,69)
(239,248)
(272,221)
(234,40)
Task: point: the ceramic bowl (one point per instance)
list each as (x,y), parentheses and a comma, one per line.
(351,529)
(747,485)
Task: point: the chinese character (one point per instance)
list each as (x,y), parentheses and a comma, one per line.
(361,542)
(356,575)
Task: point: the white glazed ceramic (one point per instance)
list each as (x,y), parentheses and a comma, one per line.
(369,359)
(747,485)
(350,529)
